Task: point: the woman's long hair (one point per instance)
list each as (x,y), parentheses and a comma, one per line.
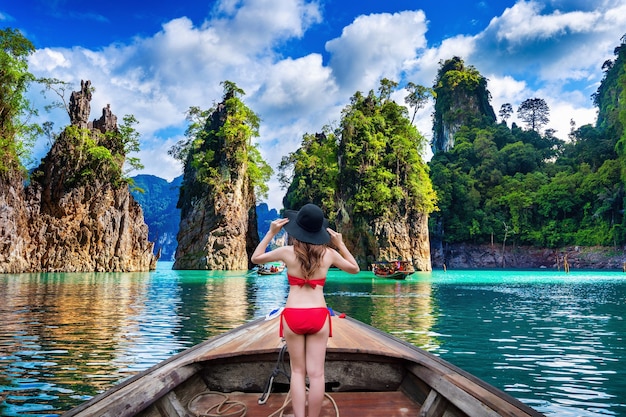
(309,255)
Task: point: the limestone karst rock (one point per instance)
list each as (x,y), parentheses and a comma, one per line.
(461,97)
(218,227)
(77,213)
(353,180)
(401,236)
(14,238)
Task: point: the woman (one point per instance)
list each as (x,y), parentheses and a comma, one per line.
(305,321)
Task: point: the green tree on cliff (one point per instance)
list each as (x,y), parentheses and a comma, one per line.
(462,99)
(219,141)
(381,165)
(311,173)
(506,110)
(618,99)
(372,163)
(16,133)
(418,97)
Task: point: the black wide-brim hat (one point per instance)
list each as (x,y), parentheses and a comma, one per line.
(307,225)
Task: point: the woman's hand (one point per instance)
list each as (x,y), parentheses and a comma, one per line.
(344,259)
(260,256)
(278,224)
(335,237)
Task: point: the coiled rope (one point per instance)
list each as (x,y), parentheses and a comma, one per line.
(223,408)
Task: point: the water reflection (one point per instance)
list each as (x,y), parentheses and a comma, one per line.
(405,309)
(555,342)
(554,346)
(58,326)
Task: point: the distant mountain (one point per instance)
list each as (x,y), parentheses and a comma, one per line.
(158,199)
(265,216)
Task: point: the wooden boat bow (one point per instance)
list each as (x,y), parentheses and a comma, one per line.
(368,372)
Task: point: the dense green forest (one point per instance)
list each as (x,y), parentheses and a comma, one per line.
(525,186)
(371,163)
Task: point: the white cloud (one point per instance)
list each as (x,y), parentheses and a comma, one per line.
(376,46)
(524,22)
(47,60)
(296,87)
(254,25)
(562,112)
(555,45)
(506,90)
(295,97)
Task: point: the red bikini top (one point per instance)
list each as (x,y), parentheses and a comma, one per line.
(301,281)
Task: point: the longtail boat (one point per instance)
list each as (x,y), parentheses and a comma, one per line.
(272,268)
(392,269)
(245,371)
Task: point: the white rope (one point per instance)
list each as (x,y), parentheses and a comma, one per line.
(220,409)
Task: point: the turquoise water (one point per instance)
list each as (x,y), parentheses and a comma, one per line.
(553,340)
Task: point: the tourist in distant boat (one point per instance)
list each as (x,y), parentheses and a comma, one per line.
(305,321)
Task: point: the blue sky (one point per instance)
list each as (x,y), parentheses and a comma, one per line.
(300,61)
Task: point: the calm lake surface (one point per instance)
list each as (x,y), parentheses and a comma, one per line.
(556,341)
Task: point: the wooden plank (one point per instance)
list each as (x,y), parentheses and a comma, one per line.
(471,405)
(352,336)
(137,396)
(171,407)
(261,338)
(361,404)
(434,406)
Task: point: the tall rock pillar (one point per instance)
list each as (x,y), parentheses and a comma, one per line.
(218,227)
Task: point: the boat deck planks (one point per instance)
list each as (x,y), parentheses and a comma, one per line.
(362,404)
(260,338)
(353,339)
(263,338)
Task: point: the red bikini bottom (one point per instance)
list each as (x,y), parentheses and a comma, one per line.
(305,320)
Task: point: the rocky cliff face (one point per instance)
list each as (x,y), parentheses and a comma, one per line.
(91,228)
(462,105)
(214,233)
(14,238)
(218,227)
(404,237)
(468,256)
(76,214)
